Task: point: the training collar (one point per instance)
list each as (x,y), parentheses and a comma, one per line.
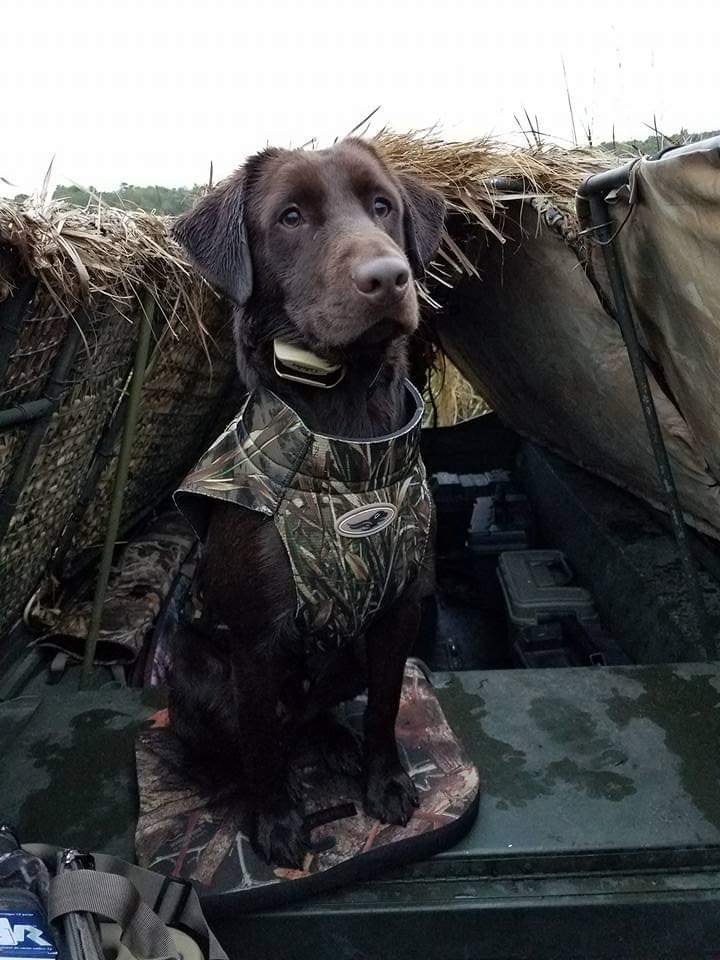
(303,366)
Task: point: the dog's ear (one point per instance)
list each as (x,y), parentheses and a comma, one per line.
(423,220)
(214,235)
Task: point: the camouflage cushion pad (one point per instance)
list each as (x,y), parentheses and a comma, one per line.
(180,833)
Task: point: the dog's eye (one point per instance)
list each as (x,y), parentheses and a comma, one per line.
(291,217)
(382,207)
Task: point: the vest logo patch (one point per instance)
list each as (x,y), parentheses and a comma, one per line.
(364,521)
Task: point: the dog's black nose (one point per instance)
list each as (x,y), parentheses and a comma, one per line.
(382,279)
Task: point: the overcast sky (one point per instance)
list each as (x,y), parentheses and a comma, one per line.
(149,91)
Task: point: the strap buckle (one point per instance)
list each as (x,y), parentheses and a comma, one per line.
(168,906)
(72,859)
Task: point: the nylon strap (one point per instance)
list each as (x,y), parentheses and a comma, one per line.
(115,898)
(175,903)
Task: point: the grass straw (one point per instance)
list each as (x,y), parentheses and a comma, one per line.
(100,250)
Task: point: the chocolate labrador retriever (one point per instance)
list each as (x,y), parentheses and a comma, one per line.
(317,249)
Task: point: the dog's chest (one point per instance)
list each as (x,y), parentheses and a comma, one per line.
(354,516)
(352,554)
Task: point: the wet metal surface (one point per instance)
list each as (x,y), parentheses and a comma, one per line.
(598,834)
(69,768)
(573,761)
(591,759)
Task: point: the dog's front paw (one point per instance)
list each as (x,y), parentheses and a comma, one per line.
(390,795)
(279,837)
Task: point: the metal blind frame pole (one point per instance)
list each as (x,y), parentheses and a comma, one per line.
(113,525)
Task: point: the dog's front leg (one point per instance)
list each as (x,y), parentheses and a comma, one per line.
(226,707)
(390,794)
(267,733)
(248,586)
(277,829)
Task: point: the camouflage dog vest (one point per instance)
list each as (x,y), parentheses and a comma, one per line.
(354,515)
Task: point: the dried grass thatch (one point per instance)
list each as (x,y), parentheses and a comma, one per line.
(82,255)
(453,398)
(468,172)
(479,177)
(79,254)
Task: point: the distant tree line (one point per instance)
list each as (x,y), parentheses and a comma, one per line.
(155,199)
(173,200)
(655,142)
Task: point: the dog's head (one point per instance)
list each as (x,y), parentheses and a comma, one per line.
(319,247)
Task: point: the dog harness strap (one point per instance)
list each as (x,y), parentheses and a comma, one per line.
(354,515)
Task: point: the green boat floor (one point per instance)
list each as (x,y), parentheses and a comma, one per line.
(598,834)
(69,766)
(596,783)
(595,759)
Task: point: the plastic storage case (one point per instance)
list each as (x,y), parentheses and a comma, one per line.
(454,495)
(501,520)
(566,642)
(538,586)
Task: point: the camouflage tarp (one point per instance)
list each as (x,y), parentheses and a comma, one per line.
(670,248)
(354,515)
(181,832)
(536,340)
